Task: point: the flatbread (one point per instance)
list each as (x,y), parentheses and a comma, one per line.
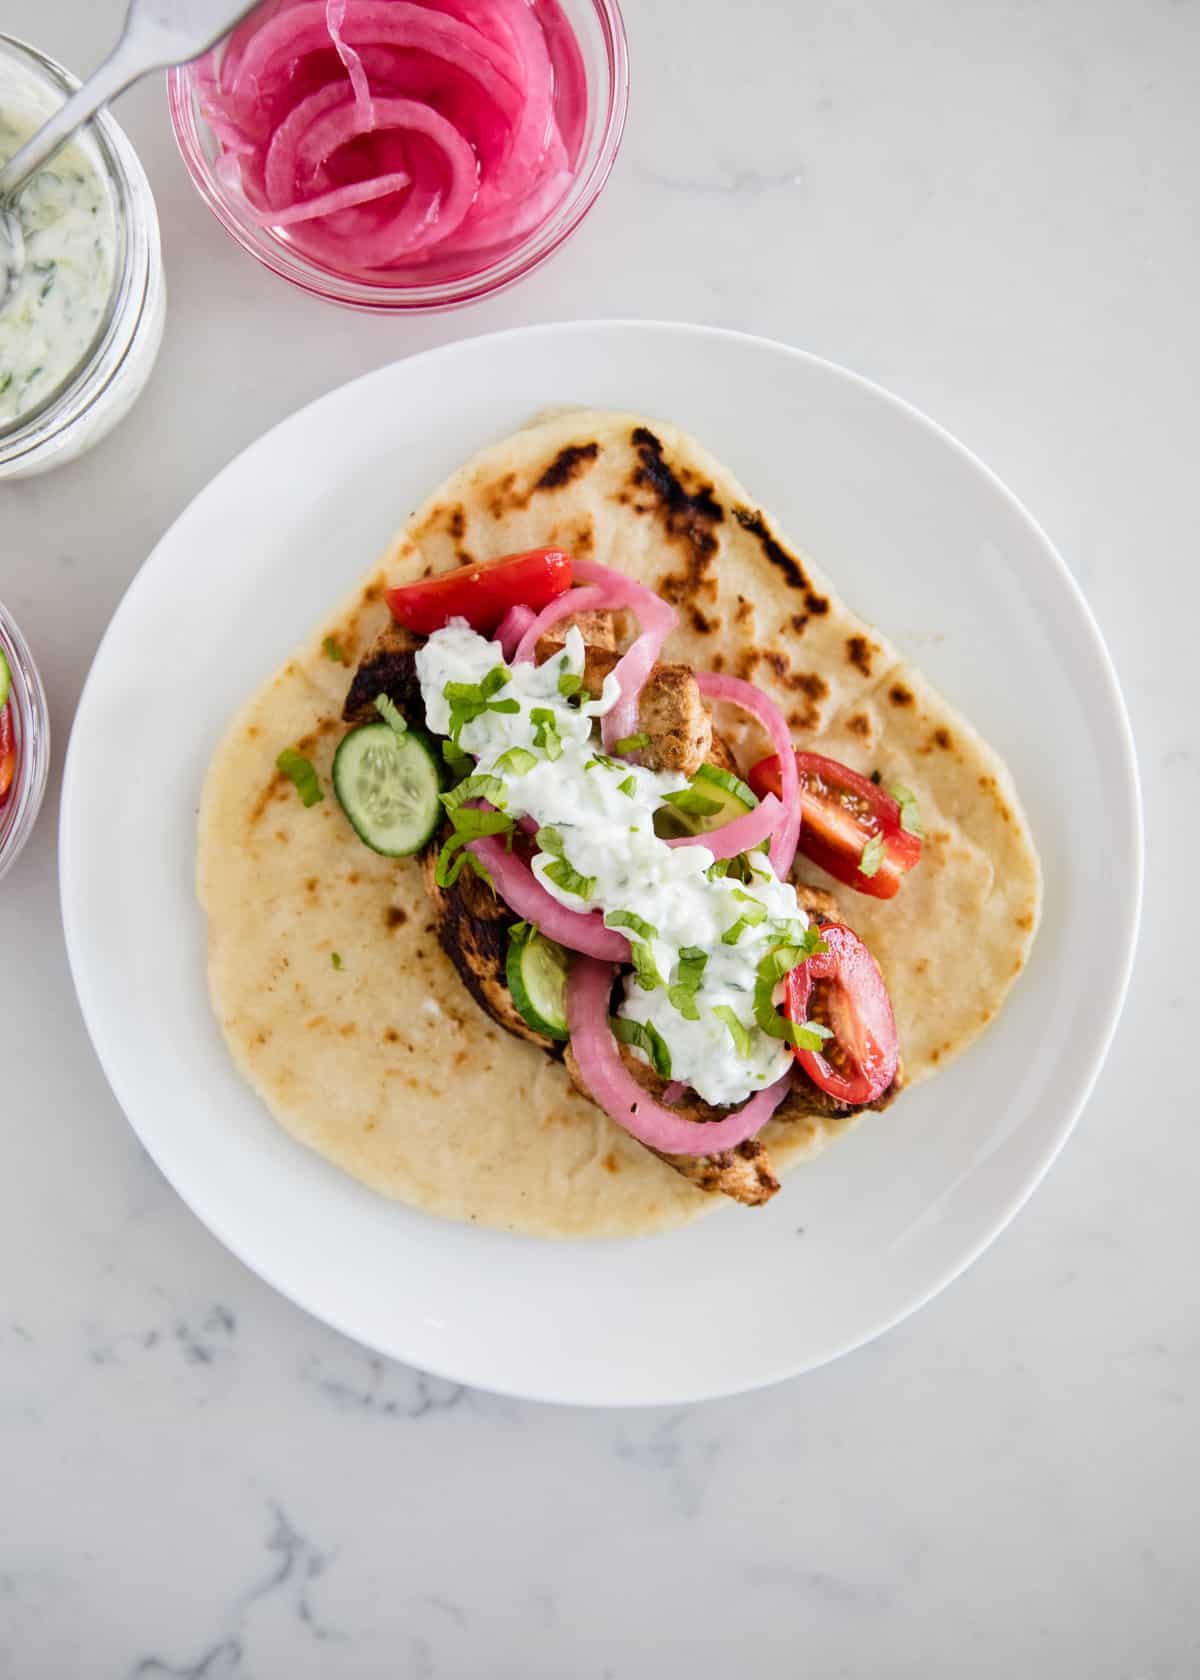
(384,1064)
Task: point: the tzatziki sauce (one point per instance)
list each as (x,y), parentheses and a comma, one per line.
(601,811)
(60,301)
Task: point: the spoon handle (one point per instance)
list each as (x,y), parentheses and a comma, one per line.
(124,65)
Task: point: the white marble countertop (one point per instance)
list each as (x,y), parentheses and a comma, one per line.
(992,210)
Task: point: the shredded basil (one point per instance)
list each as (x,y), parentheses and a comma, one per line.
(910,810)
(389,713)
(469,824)
(550,840)
(569,683)
(517,761)
(300,773)
(739,1033)
(566,876)
(683,998)
(632,743)
(689,972)
(468,701)
(458,762)
(647,1039)
(644,965)
(628,787)
(335,959)
(771,970)
(872,855)
(545,732)
(490,788)
(627,919)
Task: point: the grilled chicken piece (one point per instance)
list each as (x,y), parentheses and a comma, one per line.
(719,754)
(472,928)
(599,632)
(388,667)
(743,1173)
(670,710)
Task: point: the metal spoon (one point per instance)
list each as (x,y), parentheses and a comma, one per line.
(157,34)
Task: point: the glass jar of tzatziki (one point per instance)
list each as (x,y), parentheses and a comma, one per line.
(81,328)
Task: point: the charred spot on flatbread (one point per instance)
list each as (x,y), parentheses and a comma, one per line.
(568,464)
(752,521)
(689,512)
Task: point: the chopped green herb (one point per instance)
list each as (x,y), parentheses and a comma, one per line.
(300,773)
(693,802)
(469,824)
(635,924)
(517,761)
(631,743)
(569,683)
(335,959)
(391,714)
(644,965)
(331,650)
(910,810)
(771,970)
(468,701)
(567,877)
(490,788)
(683,998)
(872,855)
(753,916)
(628,787)
(550,840)
(647,1039)
(693,960)
(545,732)
(599,762)
(6,380)
(458,762)
(738,1032)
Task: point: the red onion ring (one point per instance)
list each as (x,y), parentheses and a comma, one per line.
(754,701)
(563,606)
(740,835)
(618,1093)
(521,890)
(656,618)
(512,627)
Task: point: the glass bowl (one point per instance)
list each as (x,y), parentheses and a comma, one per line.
(31,729)
(600,32)
(101,389)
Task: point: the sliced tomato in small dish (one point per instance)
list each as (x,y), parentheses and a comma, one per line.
(851,826)
(842,989)
(8,752)
(482,592)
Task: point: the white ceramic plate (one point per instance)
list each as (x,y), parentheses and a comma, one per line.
(917,535)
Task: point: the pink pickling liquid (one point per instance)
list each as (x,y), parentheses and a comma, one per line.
(384,136)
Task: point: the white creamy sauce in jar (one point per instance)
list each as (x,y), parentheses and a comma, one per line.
(606,856)
(60,301)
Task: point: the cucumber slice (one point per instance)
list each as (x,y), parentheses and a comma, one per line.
(388,786)
(717,786)
(537,978)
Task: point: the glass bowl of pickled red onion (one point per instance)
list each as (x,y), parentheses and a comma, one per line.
(405,154)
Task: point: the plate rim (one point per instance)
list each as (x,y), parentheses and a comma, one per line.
(1132,870)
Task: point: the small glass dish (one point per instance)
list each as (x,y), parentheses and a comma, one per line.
(600,33)
(31,731)
(104,384)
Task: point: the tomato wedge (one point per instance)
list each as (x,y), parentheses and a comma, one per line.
(843,814)
(843,988)
(8,752)
(482,592)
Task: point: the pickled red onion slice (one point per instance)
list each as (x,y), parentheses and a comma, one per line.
(740,835)
(753,700)
(518,886)
(383,134)
(512,627)
(618,1093)
(656,619)
(566,605)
